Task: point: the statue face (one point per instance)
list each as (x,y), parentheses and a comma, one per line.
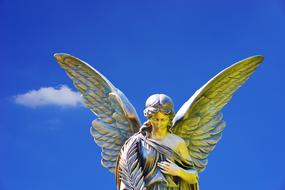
(159,120)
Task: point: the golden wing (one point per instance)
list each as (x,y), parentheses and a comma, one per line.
(199,121)
(117,119)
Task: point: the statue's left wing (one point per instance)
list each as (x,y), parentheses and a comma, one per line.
(199,121)
(116,120)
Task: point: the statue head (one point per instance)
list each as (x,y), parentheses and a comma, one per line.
(159,105)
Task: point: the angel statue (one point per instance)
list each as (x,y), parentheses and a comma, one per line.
(168,150)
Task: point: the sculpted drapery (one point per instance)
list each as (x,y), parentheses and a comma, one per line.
(149,154)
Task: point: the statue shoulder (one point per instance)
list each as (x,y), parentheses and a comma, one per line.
(175,138)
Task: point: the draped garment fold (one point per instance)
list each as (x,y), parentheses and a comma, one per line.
(151,153)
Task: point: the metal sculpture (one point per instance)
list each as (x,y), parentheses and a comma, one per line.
(168,150)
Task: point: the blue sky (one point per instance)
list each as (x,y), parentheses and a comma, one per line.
(143,47)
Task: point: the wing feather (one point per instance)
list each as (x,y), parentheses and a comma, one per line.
(200,121)
(116,120)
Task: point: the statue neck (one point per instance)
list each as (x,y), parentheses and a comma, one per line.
(159,133)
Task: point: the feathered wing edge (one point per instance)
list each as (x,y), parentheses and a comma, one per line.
(117,119)
(200,121)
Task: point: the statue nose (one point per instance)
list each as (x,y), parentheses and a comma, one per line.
(159,121)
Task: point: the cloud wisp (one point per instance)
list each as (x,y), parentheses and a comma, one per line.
(46,96)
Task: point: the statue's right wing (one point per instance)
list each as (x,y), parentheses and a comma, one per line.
(116,120)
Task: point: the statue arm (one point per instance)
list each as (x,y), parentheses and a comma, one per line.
(168,167)
(191,175)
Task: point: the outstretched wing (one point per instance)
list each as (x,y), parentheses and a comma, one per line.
(117,119)
(199,121)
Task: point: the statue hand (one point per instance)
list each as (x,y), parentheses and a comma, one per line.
(170,168)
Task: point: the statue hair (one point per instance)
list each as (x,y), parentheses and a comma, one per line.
(154,104)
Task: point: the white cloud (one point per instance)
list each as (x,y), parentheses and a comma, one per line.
(62,96)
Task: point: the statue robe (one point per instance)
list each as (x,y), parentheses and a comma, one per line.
(151,153)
